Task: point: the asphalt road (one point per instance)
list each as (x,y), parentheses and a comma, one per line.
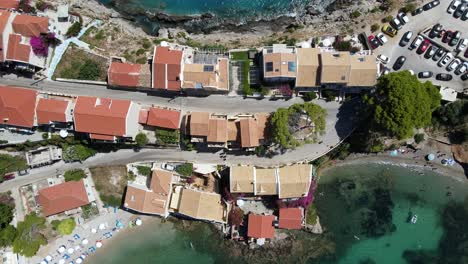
(417,62)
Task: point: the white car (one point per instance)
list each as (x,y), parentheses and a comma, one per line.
(396,23)
(461,69)
(445,60)
(382,38)
(462,44)
(453,6)
(403,18)
(454,64)
(168,167)
(384,59)
(416,42)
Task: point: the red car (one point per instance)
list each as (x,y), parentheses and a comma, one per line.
(424,46)
(373,42)
(447,36)
(9,176)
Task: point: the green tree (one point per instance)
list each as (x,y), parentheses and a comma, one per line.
(6,215)
(309,96)
(402,103)
(28,238)
(418,138)
(7,236)
(77,153)
(66,226)
(280,129)
(10,163)
(141,139)
(185,169)
(144,170)
(74,175)
(74,30)
(90,70)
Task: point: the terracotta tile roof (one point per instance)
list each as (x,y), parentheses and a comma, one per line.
(265,182)
(202,205)
(101,115)
(336,67)
(9,4)
(199,123)
(262,123)
(280,63)
(63,197)
(294,180)
(30,26)
(217,131)
(4,16)
(307,67)
(102,137)
(363,71)
(124,74)
(17,106)
(167,68)
(18,51)
(164,118)
(241,179)
(51,110)
(249,133)
(143,116)
(233,129)
(290,218)
(154,200)
(261,226)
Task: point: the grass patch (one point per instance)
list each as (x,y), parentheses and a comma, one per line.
(311,215)
(144,170)
(110,182)
(79,64)
(243,58)
(74,175)
(185,169)
(10,163)
(94,37)
(167,137)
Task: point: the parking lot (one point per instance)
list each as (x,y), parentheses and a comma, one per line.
(417,62)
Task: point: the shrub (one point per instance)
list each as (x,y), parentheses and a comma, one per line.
(409,8)
(374,27)
(141,139)
(90,70)
(236,216)
(309,96)
(418,138)
(387,19)
(185,169)
(165,136)
(342,45)
(39,47)
(74,175)
(66,226)
(45,136)
(42,6)
(144,170)
(77,153)
(376,147)
(26,6)
(74,30)
(355,14)
(111,200)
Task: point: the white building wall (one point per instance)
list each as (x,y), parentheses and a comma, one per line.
(131,123)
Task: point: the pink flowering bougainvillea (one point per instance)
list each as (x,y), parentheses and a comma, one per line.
(39,47)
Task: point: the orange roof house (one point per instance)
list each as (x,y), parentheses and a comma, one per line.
(152,200)
(9,4)
(261,226)
(30,26)
(51,110)
(63,197)
(18,50)
(164,118)
(17,106)
(124,74)
(166,68)
(199,123)
(104,118)
(4,16)
(217,131)
(290,218)
(249,133)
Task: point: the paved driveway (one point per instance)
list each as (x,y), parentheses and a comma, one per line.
(417,62)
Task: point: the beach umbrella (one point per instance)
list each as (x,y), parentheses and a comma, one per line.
(94,230)
(240,203)
(48,258)
(77,247)
(430,157)
(83,256)
(98,244)
(43,262)
(138,222)
(102,227)
(70,250)
(79,260)
(260,241)
(61,249)
(61,261)
(85,241)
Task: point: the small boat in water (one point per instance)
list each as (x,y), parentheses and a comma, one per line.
(414,219)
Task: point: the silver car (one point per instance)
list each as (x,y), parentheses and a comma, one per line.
(454,64)
(445,60)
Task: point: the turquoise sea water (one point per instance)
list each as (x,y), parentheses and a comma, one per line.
(425,195)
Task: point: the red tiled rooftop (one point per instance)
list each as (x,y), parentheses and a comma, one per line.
(101,115)
(290,218)
(102,137)
(9,4)
(4,16)
(124,74)
(164,118)
(261,226)
(51,110)
(30,26)
(167,68)
(17,51)
(63,197)
(17,106)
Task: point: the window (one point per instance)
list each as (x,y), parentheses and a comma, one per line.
(292,66)
(269,66)
(208,68)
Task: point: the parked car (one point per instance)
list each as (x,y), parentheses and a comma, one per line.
(430,52)
(455,38)
(373,42)
(416,42)
(425,74)
(403,18)
(396,23)
(167,166)
(435,3)
(382,39)
(461,69)
(435,31)
(447,36)
(460,10)
(464,77)
(425,44)
(462,44)
(453,6)
(384,59)
(444,77)
(9,176)
(428,6)
(399,63)
(405,39)
(464,17)
(443,62)
(387,29)
(439,54)
(465,54)
(453,65)
(417,11)
(442,33)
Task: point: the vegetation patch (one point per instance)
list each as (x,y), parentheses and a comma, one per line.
(144,170)
(110,182)
(81,65)
(185,169)
(64,227)
(29,237)
(74,175)
(10,163)
(77,153)
(167,137)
